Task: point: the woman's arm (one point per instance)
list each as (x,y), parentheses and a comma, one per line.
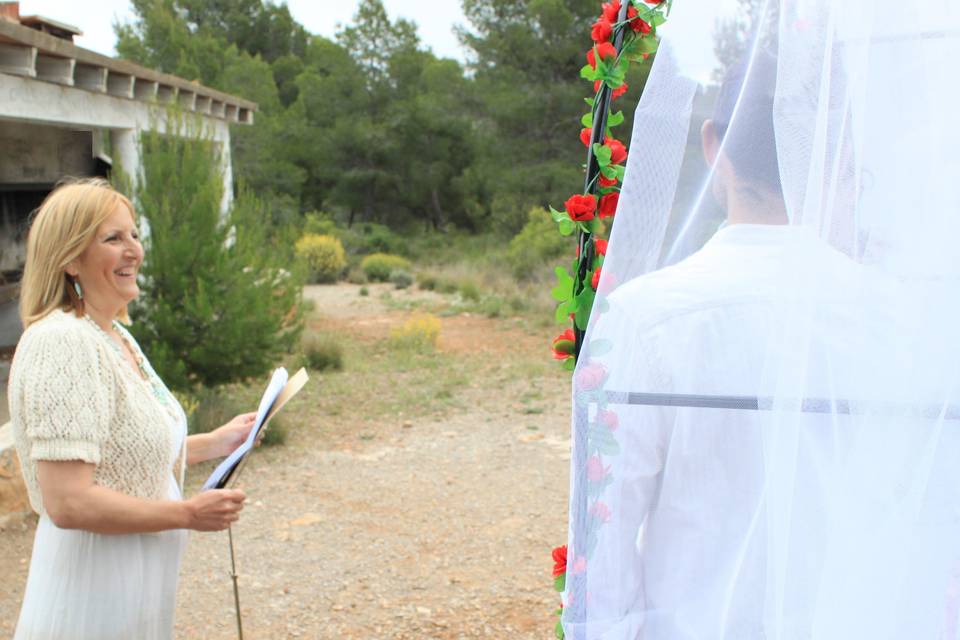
(219,442)
(74,501)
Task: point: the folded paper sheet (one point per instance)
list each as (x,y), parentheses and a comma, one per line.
(278,392)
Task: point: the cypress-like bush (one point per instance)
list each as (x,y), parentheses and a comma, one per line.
(221,291)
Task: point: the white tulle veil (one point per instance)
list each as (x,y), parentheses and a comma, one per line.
(767,404)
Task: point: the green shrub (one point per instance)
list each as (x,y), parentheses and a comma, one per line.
(470,291)
(447,286)
(321,224)
(538,243)
(357,276)
(427,281)
(492,306)
(322,352)
(364,291)
(370,237)
(221,303)
(323,255)
(377,266)
(401,278)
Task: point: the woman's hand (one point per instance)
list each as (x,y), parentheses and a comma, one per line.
(214,510)
(231,435)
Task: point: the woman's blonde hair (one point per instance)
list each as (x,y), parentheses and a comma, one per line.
(62,229)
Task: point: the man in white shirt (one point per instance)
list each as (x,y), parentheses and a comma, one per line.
(678,516)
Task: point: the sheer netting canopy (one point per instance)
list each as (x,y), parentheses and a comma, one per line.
(766,409)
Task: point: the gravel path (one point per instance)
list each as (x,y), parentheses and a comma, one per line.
(433,528)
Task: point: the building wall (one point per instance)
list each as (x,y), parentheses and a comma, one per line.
(49,131)
(37,154)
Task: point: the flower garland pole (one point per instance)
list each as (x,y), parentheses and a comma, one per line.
(631,25)
(600,115)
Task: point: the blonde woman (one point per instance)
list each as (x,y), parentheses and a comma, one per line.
(101,440)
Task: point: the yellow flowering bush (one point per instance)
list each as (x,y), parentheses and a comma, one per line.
(324,256)
(421,331)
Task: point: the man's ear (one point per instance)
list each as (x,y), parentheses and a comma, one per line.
(710,141)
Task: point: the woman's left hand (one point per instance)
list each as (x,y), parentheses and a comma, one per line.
(231,435)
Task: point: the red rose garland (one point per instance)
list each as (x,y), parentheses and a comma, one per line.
(606,68)
(616,44)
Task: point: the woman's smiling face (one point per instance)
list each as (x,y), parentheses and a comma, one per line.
(107,269)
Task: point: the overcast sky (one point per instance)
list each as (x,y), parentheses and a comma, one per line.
(434,19)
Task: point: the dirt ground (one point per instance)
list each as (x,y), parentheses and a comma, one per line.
(432,527)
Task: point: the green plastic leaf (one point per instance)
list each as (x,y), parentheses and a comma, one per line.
(569,364)
(564,288)
(645,45)
(603,441)
(587,120)
(558,630)
(615,119)
(560,582)
(603,154)
(589,101)
(562,314)
(610,172)
(600,348)
(620,171)
(584,302)
(566,227)
(558,216)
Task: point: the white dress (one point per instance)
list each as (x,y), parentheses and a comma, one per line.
(92,586)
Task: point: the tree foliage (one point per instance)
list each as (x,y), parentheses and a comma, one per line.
(372,126)
(218,307)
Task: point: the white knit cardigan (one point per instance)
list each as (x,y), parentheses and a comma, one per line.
(73,397)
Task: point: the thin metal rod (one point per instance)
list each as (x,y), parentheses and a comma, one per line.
(236,588)
(759,403)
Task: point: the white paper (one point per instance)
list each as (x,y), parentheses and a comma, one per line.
(277,383)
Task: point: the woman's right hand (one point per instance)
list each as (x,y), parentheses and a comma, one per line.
(214,510)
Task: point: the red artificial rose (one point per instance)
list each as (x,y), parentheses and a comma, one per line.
(600,511)
(595,280)
(581,208)
(608,205)
(602,30)
(609,419)
(601,246)
(606,182)
(590,376)
(596,472)
(563,345)
(619,91)
(585,135)
(605,50)
(618,152)
(638,25)
(559,561)
(610,10)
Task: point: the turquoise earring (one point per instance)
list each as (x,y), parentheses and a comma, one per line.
(76,287)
